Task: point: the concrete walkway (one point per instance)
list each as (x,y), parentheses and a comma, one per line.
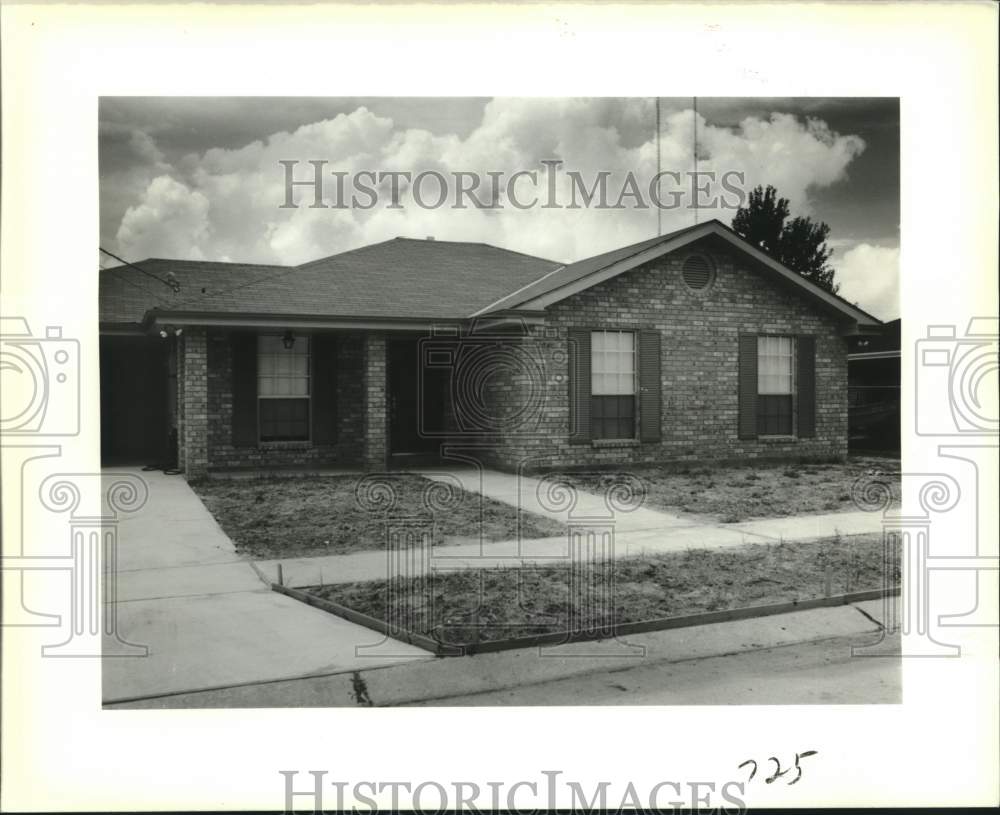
(637,532)
(205,615)
(453,680)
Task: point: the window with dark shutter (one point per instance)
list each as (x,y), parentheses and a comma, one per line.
(777,386)
(243,348)
(774,386)
(747,386)
(579,386)
(324,389)
(650,386)
(283,382)
(806,386)
(612,388)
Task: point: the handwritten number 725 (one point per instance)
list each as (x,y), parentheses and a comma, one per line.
(778,772)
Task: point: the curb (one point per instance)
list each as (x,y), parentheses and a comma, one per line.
(428,680)
(457,649)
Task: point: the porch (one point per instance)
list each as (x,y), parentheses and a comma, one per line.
(253,403)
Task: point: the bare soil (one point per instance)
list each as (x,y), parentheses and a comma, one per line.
(733,494)
(309,517)
(474,605)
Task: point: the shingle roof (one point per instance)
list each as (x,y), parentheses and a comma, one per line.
(126,294)
(577,272)
(397,278)
(580,269)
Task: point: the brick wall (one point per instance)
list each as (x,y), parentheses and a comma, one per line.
(699,350)
(348,448)
(194,397)
(375,428)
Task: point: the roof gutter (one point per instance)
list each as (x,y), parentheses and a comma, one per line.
(156,318)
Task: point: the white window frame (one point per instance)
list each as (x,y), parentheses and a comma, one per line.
(613,353)
(294,351)
(773,346)
(608,358)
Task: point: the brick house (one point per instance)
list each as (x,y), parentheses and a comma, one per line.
(690,346)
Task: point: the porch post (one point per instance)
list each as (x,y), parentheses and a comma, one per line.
(375,388)
(192,393)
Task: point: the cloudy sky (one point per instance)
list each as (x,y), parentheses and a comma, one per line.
(200,177)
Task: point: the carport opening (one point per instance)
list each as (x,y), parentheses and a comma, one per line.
(138,398)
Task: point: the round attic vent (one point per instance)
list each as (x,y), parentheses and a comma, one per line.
(698,272)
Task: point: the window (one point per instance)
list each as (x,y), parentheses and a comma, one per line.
(283,389)
(612,384)
(774,386)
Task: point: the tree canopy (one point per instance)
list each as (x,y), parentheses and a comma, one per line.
(799,243)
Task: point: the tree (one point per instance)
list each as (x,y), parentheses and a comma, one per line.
(799,243)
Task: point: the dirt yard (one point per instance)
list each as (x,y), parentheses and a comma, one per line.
(732,494)
(308,517)
(478,605)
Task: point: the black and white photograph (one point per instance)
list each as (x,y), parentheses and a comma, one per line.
(499,406)
(506,401)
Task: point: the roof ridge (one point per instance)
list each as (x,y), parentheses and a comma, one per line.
(345,252)
(218,262)
(476,243)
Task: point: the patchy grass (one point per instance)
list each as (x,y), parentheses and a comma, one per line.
(475,605)
(308,517)
(733,494)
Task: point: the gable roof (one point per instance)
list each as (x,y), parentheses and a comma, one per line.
(401,277)
(405,279)
(583,274)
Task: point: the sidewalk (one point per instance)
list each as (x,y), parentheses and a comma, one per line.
(639,532)
(206,616)
(219,637)
(436,681)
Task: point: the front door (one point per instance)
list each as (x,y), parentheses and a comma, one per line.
(416,403)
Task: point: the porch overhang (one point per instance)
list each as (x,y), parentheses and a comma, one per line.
(157,319)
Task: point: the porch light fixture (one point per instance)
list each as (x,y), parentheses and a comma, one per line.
(288,340)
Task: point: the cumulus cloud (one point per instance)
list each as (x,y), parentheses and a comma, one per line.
(171,221)
(869,276)
(227,202)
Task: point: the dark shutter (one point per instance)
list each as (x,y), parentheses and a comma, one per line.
(748,386)
(650,386)
(244,351)
(806,387)
(324,388)
(579,386)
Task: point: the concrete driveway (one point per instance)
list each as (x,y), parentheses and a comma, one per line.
(207,618)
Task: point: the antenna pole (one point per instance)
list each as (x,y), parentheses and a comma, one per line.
(659,210)
(694,186)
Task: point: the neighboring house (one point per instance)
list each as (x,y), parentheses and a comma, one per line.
(690,346)
(873,382)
